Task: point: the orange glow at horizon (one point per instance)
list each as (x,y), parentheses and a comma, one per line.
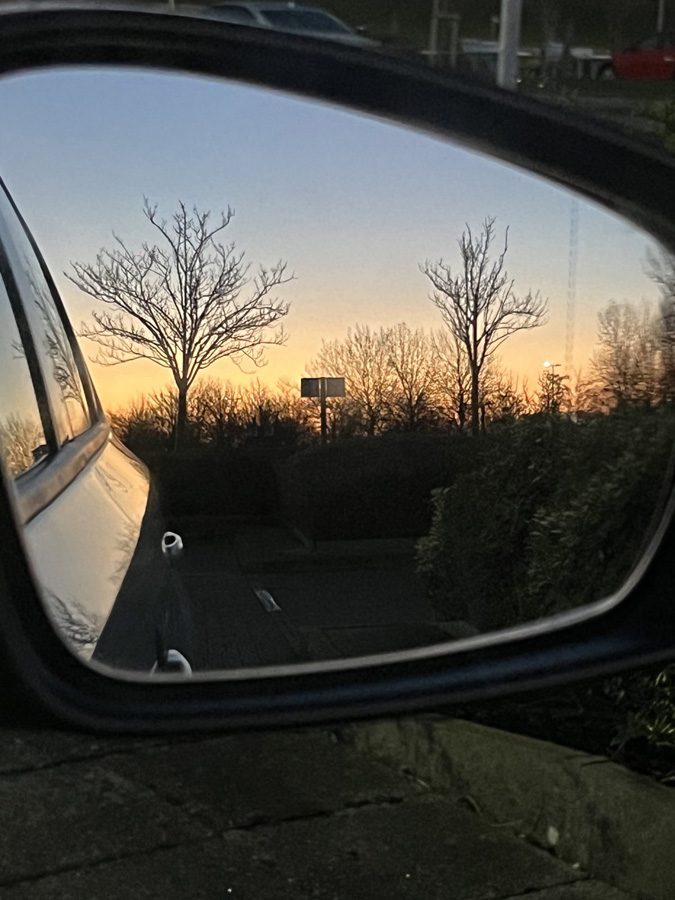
(522,358)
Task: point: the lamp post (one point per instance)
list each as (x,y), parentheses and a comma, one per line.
(552,392)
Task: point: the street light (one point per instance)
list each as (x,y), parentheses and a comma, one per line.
(553,386)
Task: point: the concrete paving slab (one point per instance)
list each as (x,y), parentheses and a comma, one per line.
(423,848)
(241,780)
(80,814)
(614,824)
(23,750)
(18,753)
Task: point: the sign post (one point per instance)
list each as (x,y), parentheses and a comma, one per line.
(324,420)
(322,388)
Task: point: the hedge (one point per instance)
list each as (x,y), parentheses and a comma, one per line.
(378,487)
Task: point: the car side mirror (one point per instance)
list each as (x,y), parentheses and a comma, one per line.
(420,498)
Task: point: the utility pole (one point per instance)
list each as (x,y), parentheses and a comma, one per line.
(661,16)
(509,43)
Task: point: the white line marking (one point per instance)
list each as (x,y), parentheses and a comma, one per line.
(267,600)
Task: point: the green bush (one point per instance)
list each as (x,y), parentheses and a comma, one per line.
(647,701)
(587,538)
(473,555)
(554,517)
(370,487)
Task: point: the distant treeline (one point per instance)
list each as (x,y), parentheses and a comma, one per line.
(404,380)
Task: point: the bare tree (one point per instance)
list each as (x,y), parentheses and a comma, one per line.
(627,359)
(661,269)
(292,408)
(182,306)
(214,412)
(478,303)
(453,379)
(279,415)
(21,443)
(553,393)
(136,424)
(412,392)
(584,395)
(362,359)
(502,397)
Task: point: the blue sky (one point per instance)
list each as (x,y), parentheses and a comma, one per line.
(351,203)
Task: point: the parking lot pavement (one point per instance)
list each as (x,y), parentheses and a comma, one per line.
(261,816)
(259,597)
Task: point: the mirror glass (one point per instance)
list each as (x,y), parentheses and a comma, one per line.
(369,391)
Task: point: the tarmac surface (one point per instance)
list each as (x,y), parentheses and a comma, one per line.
(303,813)
(259,816)
(260,597)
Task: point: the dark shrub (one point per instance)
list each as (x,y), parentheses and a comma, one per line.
(554,517)
(205,482)
(584,542)
(474,552)
(369,487)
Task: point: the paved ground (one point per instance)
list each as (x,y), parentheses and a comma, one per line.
(294,814)
(259,597)
(272,815)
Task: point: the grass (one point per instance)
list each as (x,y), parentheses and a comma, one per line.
(628,718)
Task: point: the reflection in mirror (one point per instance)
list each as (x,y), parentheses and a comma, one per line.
(22,437)
(389,392)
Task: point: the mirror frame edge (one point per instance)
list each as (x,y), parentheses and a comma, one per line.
(570,151)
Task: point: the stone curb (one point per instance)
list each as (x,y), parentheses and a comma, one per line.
(588,811)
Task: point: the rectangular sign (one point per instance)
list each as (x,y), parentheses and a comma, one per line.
(335,387)
(309,387)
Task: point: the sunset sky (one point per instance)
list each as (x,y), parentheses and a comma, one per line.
(352,204)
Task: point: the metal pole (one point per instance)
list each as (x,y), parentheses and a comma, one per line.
(661,15)
(433,35)
(454,39)
(324,422)
(509,41)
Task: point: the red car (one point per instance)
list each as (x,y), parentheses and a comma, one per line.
(652,58)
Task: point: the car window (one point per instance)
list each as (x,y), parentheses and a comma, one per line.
(653,42)
(57,362)
(236,14)
(304,20)
(22,437)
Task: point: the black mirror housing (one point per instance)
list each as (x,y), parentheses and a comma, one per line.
(634,627)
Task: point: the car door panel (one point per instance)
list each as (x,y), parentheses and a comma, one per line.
(82,543)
